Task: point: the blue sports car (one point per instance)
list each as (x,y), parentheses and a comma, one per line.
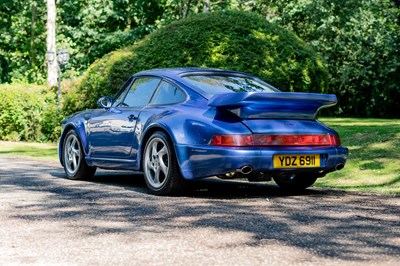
(182,124)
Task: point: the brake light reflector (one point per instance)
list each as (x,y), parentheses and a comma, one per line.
(232,140)
(275,140)
(296,140)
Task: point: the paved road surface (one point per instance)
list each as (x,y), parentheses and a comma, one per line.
(46,219)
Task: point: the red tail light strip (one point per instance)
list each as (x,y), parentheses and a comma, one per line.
(275,140)
(232,140)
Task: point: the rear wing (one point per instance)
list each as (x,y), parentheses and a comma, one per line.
(284,105)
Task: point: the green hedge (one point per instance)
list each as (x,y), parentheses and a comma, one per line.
(28,113)
(229,40)
(360,43)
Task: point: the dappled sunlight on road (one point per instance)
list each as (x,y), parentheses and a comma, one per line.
(217,222)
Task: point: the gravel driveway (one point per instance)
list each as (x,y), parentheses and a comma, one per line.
(46,219)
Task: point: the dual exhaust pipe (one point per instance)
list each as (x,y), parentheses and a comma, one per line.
(339,166)
(245,170)
(248,169)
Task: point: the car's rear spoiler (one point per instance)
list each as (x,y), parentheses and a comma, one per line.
(289,105)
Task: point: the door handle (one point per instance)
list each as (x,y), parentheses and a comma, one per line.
(132,117)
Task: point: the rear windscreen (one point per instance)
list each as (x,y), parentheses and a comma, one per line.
(213,84)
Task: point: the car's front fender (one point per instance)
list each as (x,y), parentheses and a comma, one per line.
(78,123)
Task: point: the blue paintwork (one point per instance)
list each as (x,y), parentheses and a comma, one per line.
(283,105)
(111,140)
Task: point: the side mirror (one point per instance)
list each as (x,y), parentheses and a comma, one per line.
(105,102)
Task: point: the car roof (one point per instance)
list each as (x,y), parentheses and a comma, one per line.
(181,71)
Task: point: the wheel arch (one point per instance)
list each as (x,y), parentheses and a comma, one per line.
(80,131)
(146,136)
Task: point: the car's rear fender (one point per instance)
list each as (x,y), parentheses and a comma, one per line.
(187,126)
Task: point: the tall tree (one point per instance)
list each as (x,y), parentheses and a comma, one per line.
(207,6)
(184,8)
(51,44)
(360,42)
(22,41)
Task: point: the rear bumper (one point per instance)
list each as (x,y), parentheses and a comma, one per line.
(203,161)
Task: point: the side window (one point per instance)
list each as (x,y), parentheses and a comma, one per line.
(141,91)
(168,94)
(120,97)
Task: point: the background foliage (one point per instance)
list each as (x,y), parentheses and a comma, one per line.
(233,40)
(358,42)
(89,29)
(31,113)
(22,41)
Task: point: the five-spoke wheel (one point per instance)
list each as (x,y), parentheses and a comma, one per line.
(157,162)
(161,170)
(74,162)
(72,153)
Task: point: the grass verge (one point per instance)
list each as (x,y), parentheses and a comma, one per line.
(374,159)
(373,164)
(26,149)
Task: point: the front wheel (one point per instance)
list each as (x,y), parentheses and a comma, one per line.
(73,157)
(295,182)
(160,167)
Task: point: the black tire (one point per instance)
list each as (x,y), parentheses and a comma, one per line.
(73,157)
(160,167)
(295,182)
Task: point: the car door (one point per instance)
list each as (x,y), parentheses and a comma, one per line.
(112,131)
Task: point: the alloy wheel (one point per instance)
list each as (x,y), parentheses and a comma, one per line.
(156,162)
(72,154)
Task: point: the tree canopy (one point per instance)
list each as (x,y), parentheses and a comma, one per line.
(358,41)
(360,44)
(234,40)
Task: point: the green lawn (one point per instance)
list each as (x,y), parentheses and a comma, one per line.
(373,165)
(374,160)
(25,149)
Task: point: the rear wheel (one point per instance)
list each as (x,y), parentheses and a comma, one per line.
(160,167)
(295,182)
(73,157)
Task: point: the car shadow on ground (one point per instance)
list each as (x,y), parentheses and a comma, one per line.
(325,223)
(328,223)
(211,188)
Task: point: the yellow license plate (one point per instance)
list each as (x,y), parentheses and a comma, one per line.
(297,161)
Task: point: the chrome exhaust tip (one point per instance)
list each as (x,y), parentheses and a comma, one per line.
(245,170)
(339,166)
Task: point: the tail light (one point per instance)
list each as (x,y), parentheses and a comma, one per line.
(232,140)
(295,140)
(275,140)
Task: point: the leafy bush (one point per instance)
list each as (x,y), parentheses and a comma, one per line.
(28,113)
(229,40)
(360,43)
